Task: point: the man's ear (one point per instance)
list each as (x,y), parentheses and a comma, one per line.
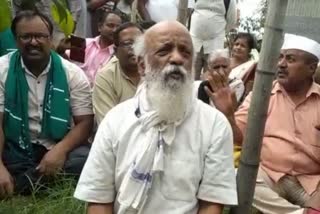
(141,66)
(313,67)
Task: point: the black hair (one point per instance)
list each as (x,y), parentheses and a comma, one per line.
(310,58)
(102,15)
(30,14)
(248,37)
(147,24)
(122,27)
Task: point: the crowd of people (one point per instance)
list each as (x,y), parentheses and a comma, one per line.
(152,117)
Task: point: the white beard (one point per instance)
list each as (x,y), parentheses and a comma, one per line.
(169,91)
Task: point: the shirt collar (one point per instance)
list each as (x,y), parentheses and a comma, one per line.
(45,71)
(314,89)
(96,43)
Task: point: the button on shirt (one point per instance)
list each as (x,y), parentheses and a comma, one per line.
(197,165)
(80,95)
(291,144)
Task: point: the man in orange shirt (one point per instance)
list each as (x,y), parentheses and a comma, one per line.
(289,175)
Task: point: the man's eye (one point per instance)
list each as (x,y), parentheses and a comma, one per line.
(24,37)
(162,52)
(290,59)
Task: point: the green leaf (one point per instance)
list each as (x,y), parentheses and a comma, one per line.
(62,16)
(5,15)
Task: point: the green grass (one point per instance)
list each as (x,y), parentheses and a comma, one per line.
(57,199)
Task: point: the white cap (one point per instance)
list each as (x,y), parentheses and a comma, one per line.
(292,41)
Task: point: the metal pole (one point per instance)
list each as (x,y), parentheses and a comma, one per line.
(182,11)
(250,157)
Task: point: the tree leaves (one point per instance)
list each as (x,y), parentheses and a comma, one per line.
(62,16)
(5,15)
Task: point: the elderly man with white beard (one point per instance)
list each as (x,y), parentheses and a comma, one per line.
(162,151)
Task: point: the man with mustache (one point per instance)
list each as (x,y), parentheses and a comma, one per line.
(289,175)
(45,109)
(162,151)
(117,81)
(97,51)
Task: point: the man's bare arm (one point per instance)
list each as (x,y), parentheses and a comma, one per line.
(79,134)
(54,159)
(6,181)
(206,207)
(94,208)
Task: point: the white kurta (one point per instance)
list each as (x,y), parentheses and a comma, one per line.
(197,165)
(208,24)
(161,10)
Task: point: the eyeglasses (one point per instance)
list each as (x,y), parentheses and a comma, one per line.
(217,67)
(39,37)
(126,44)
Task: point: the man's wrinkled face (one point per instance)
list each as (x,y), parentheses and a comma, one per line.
(293,69)
(170,56)
(220,65)
(33,39)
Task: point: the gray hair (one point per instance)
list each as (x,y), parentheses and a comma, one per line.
(224,53)
(139,46)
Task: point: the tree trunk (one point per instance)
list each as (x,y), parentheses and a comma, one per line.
(250,157)
(183,12)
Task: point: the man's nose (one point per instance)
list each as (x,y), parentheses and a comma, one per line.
(33,41)
(282,62)
(176,58)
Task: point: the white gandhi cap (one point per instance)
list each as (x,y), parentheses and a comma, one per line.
(292,41)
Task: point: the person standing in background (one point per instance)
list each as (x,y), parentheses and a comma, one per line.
(209,22)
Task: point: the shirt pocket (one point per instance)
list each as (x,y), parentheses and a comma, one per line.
(180,180)
(315,144)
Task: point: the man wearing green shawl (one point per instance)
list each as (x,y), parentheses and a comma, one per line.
(45,109)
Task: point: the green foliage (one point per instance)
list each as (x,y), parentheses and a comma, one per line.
(57,199)
(62,17)
(5,15)
(255,23)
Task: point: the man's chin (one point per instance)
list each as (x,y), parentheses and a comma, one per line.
(34,57)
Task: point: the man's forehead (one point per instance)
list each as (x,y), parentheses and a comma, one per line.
(38,25)
(295,52)
(168,29)
(168,37)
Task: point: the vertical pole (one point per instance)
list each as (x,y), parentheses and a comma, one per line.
(250,157)
(183,12)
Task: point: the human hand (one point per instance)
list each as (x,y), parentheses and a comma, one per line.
(52,161)
(6,182)
(64,44)
(221,95)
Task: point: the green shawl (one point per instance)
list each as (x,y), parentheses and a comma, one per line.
(56,107)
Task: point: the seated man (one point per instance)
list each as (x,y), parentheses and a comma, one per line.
(160,152)
(117,81)
(40,95)
(289,175)
(98,50)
